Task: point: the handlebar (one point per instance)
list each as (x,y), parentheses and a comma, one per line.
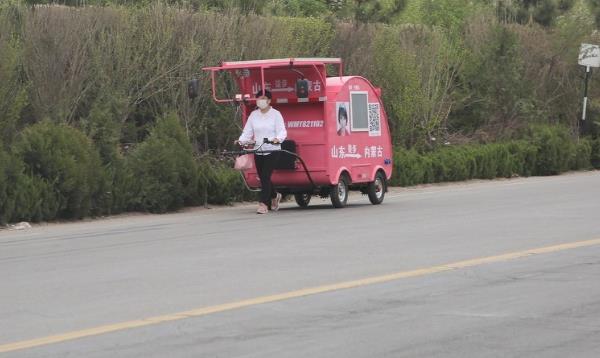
(267,141)
(258,150)
(248,147)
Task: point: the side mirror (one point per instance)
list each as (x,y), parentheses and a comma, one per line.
(302,88)
(193,88)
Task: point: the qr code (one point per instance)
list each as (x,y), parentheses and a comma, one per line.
(374,119)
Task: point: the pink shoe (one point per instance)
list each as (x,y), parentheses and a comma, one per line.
(262,209)
(275,202)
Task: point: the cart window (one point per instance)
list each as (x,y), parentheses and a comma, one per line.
(359,115)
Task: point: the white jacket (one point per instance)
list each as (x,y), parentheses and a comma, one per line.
(264,125)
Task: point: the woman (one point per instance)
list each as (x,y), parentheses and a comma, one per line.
(265,122)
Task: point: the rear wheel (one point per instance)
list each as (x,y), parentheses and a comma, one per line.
(339,192)
(376,189)
(302,199)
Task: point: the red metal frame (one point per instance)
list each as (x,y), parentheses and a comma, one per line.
(265,64)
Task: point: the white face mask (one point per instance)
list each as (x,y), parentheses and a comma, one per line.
(262,103)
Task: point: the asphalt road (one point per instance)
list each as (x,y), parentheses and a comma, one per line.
(439,271)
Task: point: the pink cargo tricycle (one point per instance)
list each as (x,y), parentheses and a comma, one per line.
(338,135)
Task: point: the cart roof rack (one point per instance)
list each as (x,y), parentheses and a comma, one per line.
(259,67)
(276,62)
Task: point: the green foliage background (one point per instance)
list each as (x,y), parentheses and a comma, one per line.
(94,117)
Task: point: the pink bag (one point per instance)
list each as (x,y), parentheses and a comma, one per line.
(243,162)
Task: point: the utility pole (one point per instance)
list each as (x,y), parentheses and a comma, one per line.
(588,72)
(589,56)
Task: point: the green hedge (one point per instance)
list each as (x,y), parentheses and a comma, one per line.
(542,150)
(54,172)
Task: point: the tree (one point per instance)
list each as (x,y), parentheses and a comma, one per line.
(13,85)
(595,7)
(375,10)
(543,12)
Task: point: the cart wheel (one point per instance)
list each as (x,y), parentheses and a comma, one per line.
(339,193)
(302,199)
(376,189)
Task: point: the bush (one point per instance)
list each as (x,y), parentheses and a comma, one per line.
(23,197)
(10,172)
(582,155)
(220,184)
(61,163)
(494,160)
(37,199)
(452,164)
(486,163)
(122,185)
(555,149)
(164,169)
(411,168)
(524,156)
(595,153)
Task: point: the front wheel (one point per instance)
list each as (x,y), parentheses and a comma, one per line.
(302,199)
(376,189)
(339,193)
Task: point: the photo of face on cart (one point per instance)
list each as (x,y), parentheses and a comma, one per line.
(343,122)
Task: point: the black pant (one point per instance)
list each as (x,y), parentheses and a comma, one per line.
(264,166)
